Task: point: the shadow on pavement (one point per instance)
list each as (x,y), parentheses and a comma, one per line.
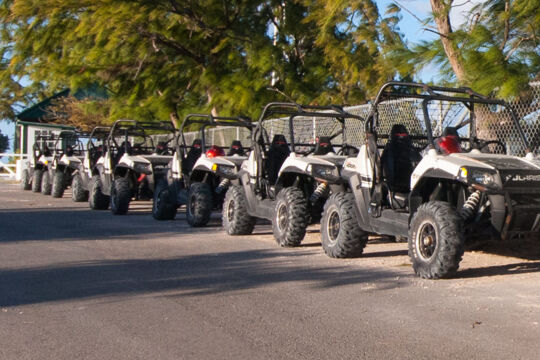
(508,269)
(38,224)
(385,253)
(521,248)
(183,276)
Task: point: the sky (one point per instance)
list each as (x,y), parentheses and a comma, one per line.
(409,26)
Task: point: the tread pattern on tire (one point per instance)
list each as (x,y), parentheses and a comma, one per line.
(25,180)
(120,196)
(241,223)
(351,239)
(201,193)
(78,193)
(46,185)
(36,180)
(450,242)
(298,217)
(58,185)
(164,203)
(97,200)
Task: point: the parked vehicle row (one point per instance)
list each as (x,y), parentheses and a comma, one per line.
(434,165)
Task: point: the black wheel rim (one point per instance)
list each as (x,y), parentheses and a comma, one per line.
(282,217)
(333,225)
(230,210)
(426,240)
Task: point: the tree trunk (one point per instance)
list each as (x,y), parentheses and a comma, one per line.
(175,119)
(441,14)
(214,111)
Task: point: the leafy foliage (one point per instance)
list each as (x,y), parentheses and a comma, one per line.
(165,58)
(83,114)
(497,50)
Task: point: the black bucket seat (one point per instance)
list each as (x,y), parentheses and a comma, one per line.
(236,148)
(192,156)
(278,152)
(399,158)
(323,146)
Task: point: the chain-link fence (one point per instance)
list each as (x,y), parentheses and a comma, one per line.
(494,124)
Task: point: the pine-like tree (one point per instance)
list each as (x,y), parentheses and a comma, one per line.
(497,51)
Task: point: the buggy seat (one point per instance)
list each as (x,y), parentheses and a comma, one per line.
(236,148)
(192,156)
(278,152)
(399,158)
(323,146)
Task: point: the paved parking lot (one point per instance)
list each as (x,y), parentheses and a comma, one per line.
(81,284)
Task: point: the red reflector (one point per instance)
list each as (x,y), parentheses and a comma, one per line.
(141,178)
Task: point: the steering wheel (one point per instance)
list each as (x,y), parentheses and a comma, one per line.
(482,145)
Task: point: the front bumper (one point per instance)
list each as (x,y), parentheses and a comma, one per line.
(520,215)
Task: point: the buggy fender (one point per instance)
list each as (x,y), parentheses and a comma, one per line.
(136,163)
(362,200)
(205,163)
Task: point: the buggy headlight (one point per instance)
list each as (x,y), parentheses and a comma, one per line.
(324,172)
(482,177)
(223,170)
(143,168)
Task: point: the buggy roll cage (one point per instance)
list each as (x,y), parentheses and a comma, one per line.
(70,134)
(37,151)
(427,93)
(100,133)
(295,110)
(136,128)
(209,120)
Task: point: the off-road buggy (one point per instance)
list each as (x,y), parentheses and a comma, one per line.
(80,185)
(286,177)
(202,167)
(67,157)
(131,165)
(32,174)
(439,166)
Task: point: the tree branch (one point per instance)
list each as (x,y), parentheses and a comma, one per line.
(506,24)
(423,22)
(179,48)
(435,32)
(516,46)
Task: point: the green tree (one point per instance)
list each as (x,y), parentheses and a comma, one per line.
(358,43)
(165,58)
(496,51)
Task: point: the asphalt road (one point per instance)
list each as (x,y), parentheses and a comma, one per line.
(82,284)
